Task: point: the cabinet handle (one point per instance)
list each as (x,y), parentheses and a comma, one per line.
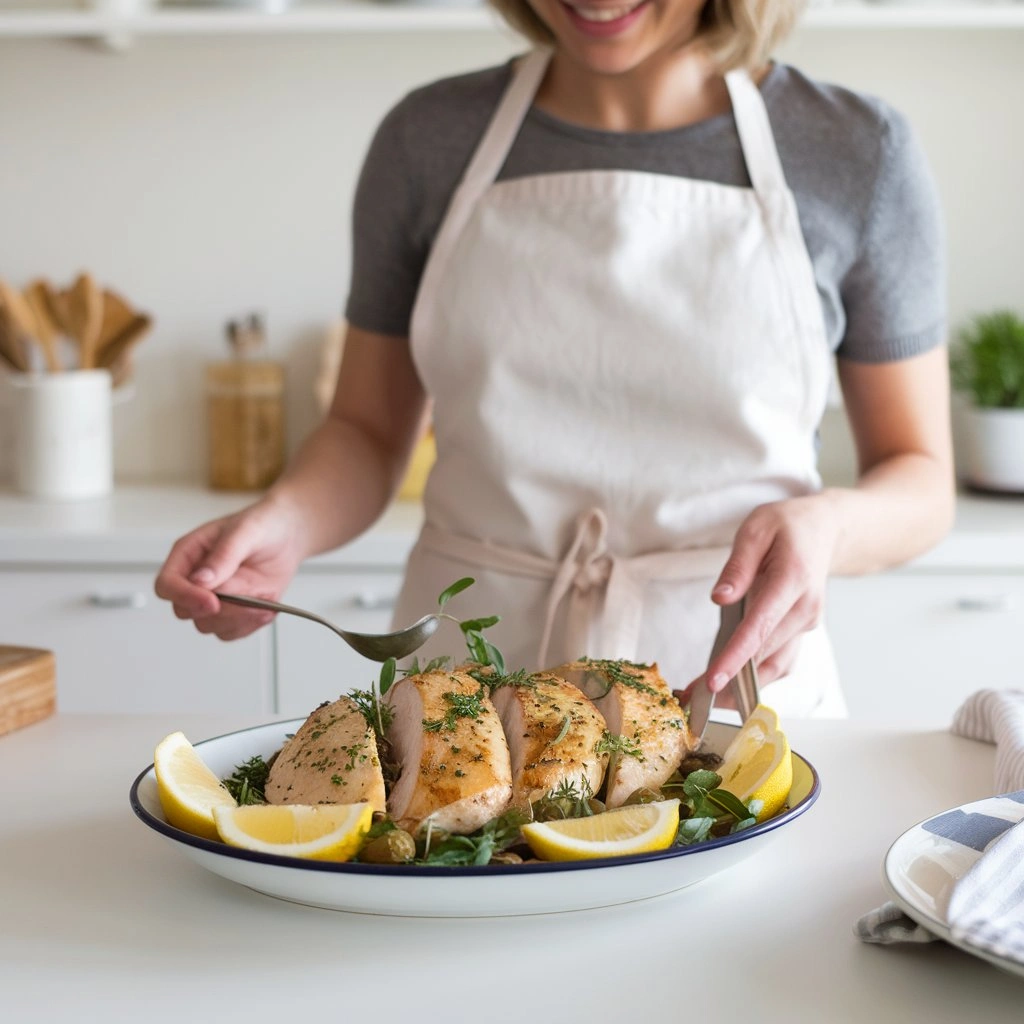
(373,602)
(985,603)
(137,599)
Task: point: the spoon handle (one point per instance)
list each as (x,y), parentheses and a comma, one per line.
(276,606)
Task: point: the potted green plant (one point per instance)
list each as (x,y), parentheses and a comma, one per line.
(988,365)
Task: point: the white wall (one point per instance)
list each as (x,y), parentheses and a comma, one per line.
(207,177)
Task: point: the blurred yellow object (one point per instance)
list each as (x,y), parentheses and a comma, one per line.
(423,457)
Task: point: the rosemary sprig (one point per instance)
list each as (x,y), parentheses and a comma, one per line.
(460,705)
(248,781)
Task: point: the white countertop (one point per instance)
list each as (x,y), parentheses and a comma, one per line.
(104,920)
(138,524)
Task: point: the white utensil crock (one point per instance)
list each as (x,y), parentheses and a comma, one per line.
(63,447)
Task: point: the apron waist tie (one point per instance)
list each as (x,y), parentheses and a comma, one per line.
(599,585)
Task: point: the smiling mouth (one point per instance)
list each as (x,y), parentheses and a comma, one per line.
(603,14)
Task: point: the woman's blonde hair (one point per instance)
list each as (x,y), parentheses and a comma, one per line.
(739,33)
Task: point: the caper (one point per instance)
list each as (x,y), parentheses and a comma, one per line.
(643,795)
(394,847)
(508,857)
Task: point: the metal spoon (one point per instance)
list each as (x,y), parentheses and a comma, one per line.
(375,646)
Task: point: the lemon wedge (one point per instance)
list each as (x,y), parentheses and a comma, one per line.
(639,828)
(188,790)
(758,764)
(324,832)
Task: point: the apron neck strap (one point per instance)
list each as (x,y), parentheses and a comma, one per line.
(501,132)
(756,137)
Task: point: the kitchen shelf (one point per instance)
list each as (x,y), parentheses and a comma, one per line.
(393,15)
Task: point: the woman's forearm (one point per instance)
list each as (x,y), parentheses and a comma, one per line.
(899,509)
(337,485)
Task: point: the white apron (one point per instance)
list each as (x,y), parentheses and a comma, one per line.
(622,366)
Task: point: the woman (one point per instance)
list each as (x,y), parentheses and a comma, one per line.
(619,269)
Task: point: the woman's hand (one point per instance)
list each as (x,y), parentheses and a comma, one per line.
(254,552)
(780,562)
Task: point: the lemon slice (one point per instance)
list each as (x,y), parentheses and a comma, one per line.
(758,765)
(188,790)
(639,828)
(324,832)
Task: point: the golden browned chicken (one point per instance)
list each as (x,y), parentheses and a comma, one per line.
(447,738)
(647,729)
(553,731)
(332,759)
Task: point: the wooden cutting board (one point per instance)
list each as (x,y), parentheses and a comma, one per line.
(28,686)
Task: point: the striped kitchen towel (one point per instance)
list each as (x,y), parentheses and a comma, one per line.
(997,716)
(986,908)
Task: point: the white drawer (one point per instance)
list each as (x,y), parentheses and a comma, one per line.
(313,664)
(911,646)
(121,649)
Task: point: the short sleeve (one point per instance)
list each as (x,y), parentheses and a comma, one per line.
(387,261)
(894,294)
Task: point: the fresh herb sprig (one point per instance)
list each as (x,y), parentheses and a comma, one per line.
(378,715)
(475,849)
(460,705)
(708,808)
(248,781)
(566,800)
(482,650)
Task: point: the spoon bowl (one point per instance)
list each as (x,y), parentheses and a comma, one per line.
(374,646)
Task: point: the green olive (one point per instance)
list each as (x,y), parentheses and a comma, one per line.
(508,857)
(597,806)
(394,847)
(643,795)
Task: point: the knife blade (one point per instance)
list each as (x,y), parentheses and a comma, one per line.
(744,684)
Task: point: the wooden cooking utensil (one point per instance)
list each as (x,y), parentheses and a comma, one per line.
(117,317)
(115,354)
(39,296)
(85,317)
(23,329)
(13,347)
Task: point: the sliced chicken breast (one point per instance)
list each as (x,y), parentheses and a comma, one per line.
(553,731)
(644,721)
(332,759)
(454,761)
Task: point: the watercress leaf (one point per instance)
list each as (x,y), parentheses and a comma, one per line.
(495,657)
(478,624)
(387,675)
(477,647)
(724,799)
(739,826)
(456,588)
(693,830)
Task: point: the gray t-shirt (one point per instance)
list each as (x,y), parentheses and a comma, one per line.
(866,200)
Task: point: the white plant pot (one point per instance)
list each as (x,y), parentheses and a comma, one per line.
(994,448)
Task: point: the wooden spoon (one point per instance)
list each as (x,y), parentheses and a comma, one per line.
(85,317)
(12,345)
(115,353)
(19,326)
(39,296)
(117,317)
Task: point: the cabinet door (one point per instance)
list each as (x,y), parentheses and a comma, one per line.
(313,664)
(912,646)
(120,649)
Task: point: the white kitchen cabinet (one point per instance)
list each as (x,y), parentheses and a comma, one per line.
(313,664)
(120,649)
(912,645)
